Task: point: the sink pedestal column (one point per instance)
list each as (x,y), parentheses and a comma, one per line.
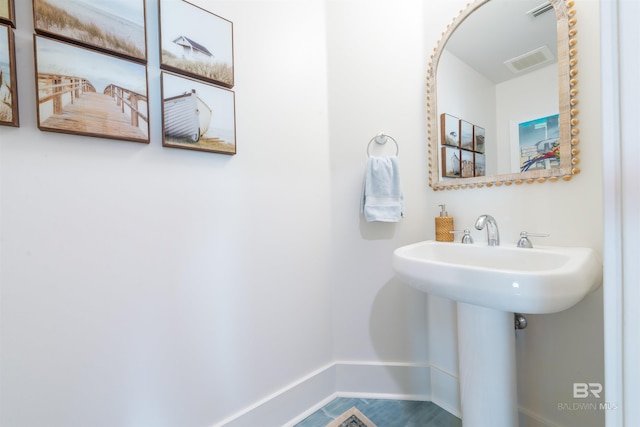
(487,363)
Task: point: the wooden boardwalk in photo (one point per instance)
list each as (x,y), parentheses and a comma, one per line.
(95,113)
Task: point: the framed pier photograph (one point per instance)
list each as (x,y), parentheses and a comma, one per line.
(8,80)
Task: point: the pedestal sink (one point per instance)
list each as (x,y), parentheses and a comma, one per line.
(490,284)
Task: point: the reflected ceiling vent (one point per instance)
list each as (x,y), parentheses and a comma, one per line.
(531,59)
(539,10)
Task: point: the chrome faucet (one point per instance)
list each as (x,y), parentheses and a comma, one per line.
(493,236)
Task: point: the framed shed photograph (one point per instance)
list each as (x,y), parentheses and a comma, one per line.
(195,42)
(197,115)
(114,26)
(7,12)
(84,92)
(8,80)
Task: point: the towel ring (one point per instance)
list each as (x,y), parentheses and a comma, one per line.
(381,139)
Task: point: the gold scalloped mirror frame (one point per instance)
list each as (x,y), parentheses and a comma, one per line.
(568,101)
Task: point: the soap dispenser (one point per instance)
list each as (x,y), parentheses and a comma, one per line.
(444,226)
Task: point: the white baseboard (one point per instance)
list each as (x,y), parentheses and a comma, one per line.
(300,399)
(366,380)
(445,391)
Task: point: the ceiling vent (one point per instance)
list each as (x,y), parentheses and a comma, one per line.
(539,10)
(531,59)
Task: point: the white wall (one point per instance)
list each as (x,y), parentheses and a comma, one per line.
(375,59)
(148,286)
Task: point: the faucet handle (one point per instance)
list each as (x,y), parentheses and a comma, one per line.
(467,239)
(524,241)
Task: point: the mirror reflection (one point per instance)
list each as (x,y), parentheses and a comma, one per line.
(499,96)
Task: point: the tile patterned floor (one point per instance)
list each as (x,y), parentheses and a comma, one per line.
(385,413)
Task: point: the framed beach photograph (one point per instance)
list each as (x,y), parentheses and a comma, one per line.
(114,26)
(195,42)
(84,92)
(450,162)
(7,12)
(466,135)
(197,115)
(8,80)
(450,126)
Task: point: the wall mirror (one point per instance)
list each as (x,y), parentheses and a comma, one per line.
(502,96)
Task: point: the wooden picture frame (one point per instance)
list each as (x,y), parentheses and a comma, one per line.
(84,92)
(7,12)
(196,42)
(115,26)
(8,78)
(466,135)
(480,164)
(197,115)
(450,162)
(478,139)
(450,126)
(467,166)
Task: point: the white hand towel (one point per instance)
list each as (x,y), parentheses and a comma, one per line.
(382,198)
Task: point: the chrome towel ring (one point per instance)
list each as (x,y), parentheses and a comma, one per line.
(382,139)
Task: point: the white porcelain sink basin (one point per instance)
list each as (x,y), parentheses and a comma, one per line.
(539,280)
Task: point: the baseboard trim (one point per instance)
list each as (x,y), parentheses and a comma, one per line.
(363,380)
(296,401)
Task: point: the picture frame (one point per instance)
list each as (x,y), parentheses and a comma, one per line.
(538,143)
(197,115)
(480,164)
(7,12)
(467,165)
(478,139)
(450,162)
(115,26)
(450,126)
(84,92)
(466,135)
(8,78)
(196,42)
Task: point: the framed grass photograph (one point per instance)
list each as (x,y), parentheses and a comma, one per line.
(197,115)
(84,92)
(195,42)
(114,26)
(8,80)
(7,12)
